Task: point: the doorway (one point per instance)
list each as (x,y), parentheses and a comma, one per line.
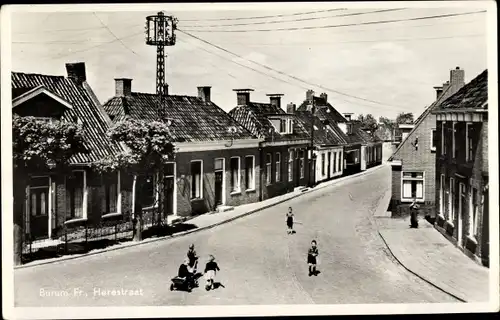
(39,193)
(219,182)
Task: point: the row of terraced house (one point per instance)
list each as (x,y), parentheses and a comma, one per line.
(256,151)
(442,162)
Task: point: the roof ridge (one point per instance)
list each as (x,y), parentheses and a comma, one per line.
(39,74)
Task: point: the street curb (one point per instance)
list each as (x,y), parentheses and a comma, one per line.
(416,274)
(176,235)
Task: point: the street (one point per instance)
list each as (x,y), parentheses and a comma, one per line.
(260,263)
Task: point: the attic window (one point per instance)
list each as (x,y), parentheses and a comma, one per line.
(349,128)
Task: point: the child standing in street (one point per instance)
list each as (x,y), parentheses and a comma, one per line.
(311,258)
(289,220)
(210,269)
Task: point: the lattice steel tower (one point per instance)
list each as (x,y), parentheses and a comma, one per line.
(160,32)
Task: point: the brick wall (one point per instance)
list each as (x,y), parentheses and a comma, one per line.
(186,206)
(419,159)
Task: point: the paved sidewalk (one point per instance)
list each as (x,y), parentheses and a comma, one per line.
(210,220)
(429,255)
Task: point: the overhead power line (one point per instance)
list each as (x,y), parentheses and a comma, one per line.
(264,17)
(441,16)
(114,35)
(294,20)
(288,75)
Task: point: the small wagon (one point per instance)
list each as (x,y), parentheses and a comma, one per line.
(179,283)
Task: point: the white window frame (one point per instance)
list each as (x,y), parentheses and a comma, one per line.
(192,179)
(118,194)
(453,146)
(433,134)
(84,197)
(451,201)
(289,126)
(175,186)
(472,232)
(290,165)
(334,161)
(251,185)
(238,186)
(223,170)
(442,183)
(278,166)
(467,146)
(269,168)
(410,199)
(323,164)
(302,164)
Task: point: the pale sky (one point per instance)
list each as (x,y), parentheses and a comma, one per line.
(396,64)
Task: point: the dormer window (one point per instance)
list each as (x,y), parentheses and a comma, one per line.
(283,126)
(39,102)
(349,128)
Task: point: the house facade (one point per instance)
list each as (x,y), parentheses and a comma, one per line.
(217,160)
(53,200)
(462,168)
(328,145)
(285,152)
(413,161)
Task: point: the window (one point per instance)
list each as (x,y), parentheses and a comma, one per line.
(196,179)
(110,199)
(469,133)
(290,165)
(235,174)
(340,161)
(249,173)
(451,200)
(278,167)
(39,195)
(269,161)
(290,126)
(76,185)
(301,164)
(282,126)
(453,133)
(323,164)
(443,138)
(433,140)
(335,162)
(413,185)
(441,195)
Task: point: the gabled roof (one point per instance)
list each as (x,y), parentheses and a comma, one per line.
(28,94)
(324,134)
(255,117)
(421,118)
(193,120)
(473,96)
(84,107)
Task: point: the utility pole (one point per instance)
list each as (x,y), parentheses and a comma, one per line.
(312,166)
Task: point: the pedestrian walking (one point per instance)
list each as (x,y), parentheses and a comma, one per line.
(414,213)
(193,258)
(211,269)
(312,255)
(289,220)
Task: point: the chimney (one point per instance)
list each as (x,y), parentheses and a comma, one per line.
(439,92)
(324,96)
(290,108)
(204,93)
(446,85)
(457,77)
(243,96)
(309,95)
(76,72)
(275,99)
(347,116)
(123,87)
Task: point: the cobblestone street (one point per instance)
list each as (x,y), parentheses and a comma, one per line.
(260,263)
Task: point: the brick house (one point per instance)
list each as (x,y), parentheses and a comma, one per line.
(462,168)
(328,145)
(323,109)
(217,160)
(285,151)
(413,161)
(53,200)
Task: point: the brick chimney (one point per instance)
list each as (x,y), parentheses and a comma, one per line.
(76,72)
(243,96)
(123,87)
(290,108)
(324,96)
(309,95)
(457,77)
(348,116)
(275,99)
(204,93)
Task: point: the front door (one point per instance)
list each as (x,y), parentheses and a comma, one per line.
(169,196)
(39,207)
(218,187)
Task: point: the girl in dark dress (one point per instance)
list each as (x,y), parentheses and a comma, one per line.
(289,220)
(311,258)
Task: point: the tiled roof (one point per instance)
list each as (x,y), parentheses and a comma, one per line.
(324,134)
(474,95)
(329,111)
(193,120)
(255,117)
(85,108)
